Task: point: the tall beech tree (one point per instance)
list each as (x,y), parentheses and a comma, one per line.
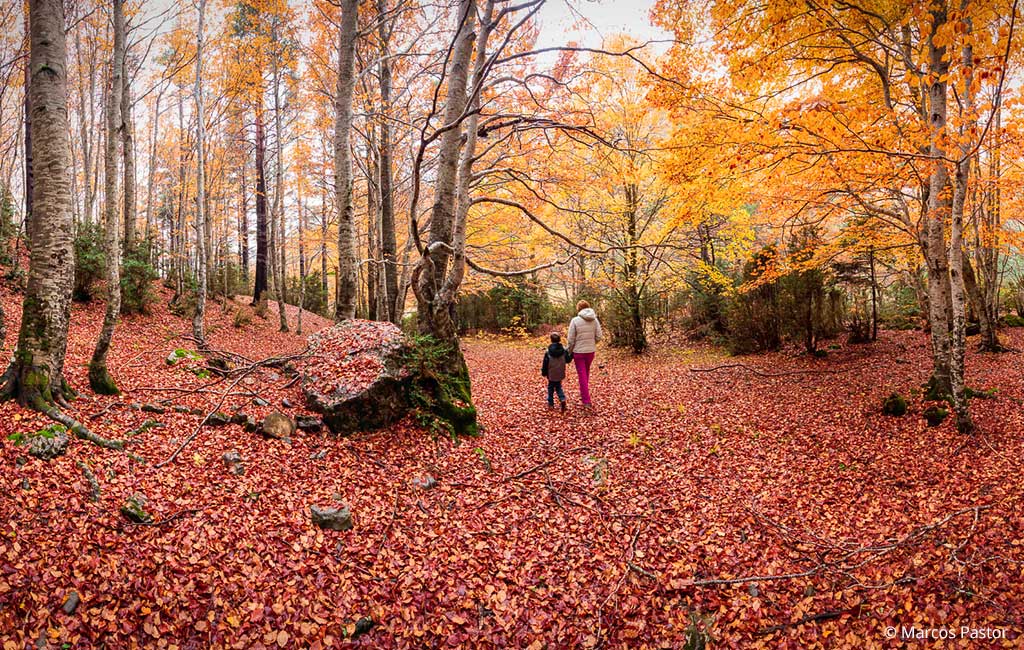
(99,377)
(36,375)
(348,263)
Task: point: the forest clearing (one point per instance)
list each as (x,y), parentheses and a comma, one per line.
(547,530)
(511,324)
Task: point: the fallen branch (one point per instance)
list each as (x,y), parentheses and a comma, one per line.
(761,373)
(105,410)
(540,466)
(167,520)
(246,372)
(811,618)
(94,484)
(843,564)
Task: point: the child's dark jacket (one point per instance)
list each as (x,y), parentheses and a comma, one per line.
(555,359)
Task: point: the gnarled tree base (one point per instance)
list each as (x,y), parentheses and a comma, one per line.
(100,380)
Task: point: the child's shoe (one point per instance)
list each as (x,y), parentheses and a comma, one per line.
(563,405)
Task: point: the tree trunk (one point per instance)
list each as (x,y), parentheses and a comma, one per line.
(435,316)
(243,223)
(36,376)
(389,245)
(938,210)
(348,278)
(99,377)
(29,174)
(260,287)
(152,165)
(202,236)
(128,140)
(282,272)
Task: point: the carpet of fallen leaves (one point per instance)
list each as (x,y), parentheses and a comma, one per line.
(554,531)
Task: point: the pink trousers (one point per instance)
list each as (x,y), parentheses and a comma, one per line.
(583,361)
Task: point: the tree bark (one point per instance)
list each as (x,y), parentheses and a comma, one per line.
(389,245)
(435,315)
(348,278)
(260,287)
(99,377)
(36,376)
(128,142)
(281,279)
(202,241)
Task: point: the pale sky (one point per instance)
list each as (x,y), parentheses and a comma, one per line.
(608,17)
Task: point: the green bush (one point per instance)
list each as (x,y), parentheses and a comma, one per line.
(90,261)
(137,277)
(512,305)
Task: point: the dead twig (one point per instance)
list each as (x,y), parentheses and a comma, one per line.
(540,466)
(94,484)
(761,373)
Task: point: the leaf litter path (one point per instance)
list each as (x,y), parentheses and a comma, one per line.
(547,531)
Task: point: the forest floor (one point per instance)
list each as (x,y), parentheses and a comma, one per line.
(768,505)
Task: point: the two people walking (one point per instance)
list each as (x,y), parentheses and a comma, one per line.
(580,348)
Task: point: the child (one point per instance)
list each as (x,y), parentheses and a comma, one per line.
(553,368)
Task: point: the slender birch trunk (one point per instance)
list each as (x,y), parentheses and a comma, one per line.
(202,259)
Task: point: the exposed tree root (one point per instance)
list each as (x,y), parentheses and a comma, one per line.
(94,484)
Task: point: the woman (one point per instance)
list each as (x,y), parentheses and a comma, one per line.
(584,333)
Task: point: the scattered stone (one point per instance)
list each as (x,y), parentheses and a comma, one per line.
(331,518)
(217,419)
(259,401)
(894,405)
(146,426)
(197,411)
(286,403)
(178,408)
(239,418)
(153,408)
(71,602)
(233,460)
(20,461)
(278,426)
(289,369)
(134,509)
(250,425)
(427,482)
(320,455)
(363,626)
(308,423)
(135,406)
(25,485)
(50,445)
(172,358)
(935,415)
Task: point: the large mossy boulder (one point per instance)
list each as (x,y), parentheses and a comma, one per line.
(364,375)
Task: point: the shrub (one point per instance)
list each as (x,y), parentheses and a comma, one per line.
(90,261)
(517,304)
(894,405)
(8,229)
(243,317)
(137,277)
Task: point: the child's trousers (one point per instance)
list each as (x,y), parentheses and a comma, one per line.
(555,387)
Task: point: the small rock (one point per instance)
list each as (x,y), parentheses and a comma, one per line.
(172,358)
(233,460)
(286,403)
(20,461)
(217,419)
(135,406)
(331,518)
(134,509)
(259,401)
(71,602)
(363,626)
(426,482)
(239,418)
(320,455)
(197,411)
(50,446)
(178,408)
(278,426)
(308,423)
(250,425)
(153,408)
(25,485)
